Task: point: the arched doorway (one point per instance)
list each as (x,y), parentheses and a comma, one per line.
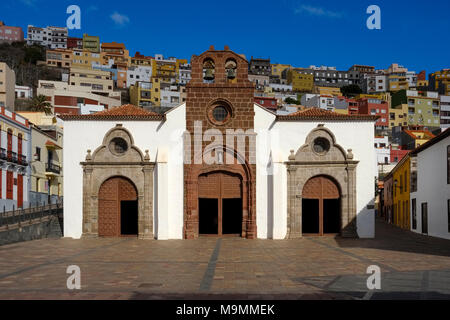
(220,204)
(321,207)
(117,208)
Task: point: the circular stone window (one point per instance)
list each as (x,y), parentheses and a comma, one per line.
(118,146)
(220,114)
(321,145)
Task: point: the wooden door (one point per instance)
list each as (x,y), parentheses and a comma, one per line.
(19,191)
(320,188)
(219,186)
(111,193)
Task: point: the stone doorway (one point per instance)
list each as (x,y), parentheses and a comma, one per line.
(220,204)
(117,208)
(321,207)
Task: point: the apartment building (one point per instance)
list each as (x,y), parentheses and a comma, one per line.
(51,37)
(375,107)
(138,73)
(165,70)
(23,92)
(398,116)
(373,83)
(184,73)
(141,93)
(46,177)
(445,111)
(91,43)
(15,144)
(440,81)
(7,86)
(9,34)
(423,106)
(74,43)
(302,80)
(96,80)
(61,58)
(267,102)
(322,101)
(82,58)
(68,99)
(172,95)
(141,60)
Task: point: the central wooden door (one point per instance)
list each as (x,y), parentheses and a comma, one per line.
(320,206)
(220,204)
(113,194)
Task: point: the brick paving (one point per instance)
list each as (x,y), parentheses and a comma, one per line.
(412,266)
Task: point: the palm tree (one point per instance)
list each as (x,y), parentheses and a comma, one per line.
(40,104)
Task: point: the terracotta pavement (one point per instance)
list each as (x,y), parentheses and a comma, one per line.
(412,266)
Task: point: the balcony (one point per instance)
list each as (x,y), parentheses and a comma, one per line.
(23,160)
(51,169)
(3,155)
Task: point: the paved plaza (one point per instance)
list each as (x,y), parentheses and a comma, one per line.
(413,267)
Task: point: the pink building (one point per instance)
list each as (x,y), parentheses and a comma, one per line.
(10,34)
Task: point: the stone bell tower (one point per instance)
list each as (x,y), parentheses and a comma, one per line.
(219,97)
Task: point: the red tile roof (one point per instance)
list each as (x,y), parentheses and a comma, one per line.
(314,113)
(125,112)
(444,134)
(427,134)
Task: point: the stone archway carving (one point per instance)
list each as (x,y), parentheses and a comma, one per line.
(321,155)
(118,156)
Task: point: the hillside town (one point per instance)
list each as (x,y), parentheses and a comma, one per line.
(87,77)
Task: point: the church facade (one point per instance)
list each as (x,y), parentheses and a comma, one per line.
(218,165)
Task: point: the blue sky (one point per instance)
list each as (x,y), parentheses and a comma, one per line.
(334,33)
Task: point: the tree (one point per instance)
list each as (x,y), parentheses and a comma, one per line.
(351,90)
(40,104)
(290,100)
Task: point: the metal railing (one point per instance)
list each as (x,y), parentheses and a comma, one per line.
(28,216)
(51,167)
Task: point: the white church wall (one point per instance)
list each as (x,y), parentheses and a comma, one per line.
(357,136)
(79,136)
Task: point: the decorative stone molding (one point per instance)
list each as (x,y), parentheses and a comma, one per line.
(131,164)
(335,163)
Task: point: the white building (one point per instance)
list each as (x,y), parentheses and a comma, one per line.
(24,92)
(15,171)
(322,101)
(184,73)
(138,73)
(373,83)
(430,199)
(131,171)
(279,87)
(51,37)
(445,111)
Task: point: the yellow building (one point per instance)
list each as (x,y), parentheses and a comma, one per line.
(85,59)
(7,86)
(398,82)
(419,137)
(60,58)
(332,91)
(46,165)
(155,95)
(91,43)
(398,116)
(141,94)
(165,71)
(422,83)
(140,60)
(278,68)
(440,81)
(300,79)
(97,80)
(401,178)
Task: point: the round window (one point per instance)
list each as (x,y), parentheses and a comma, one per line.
(321,145)
(220,114)
(118,146)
